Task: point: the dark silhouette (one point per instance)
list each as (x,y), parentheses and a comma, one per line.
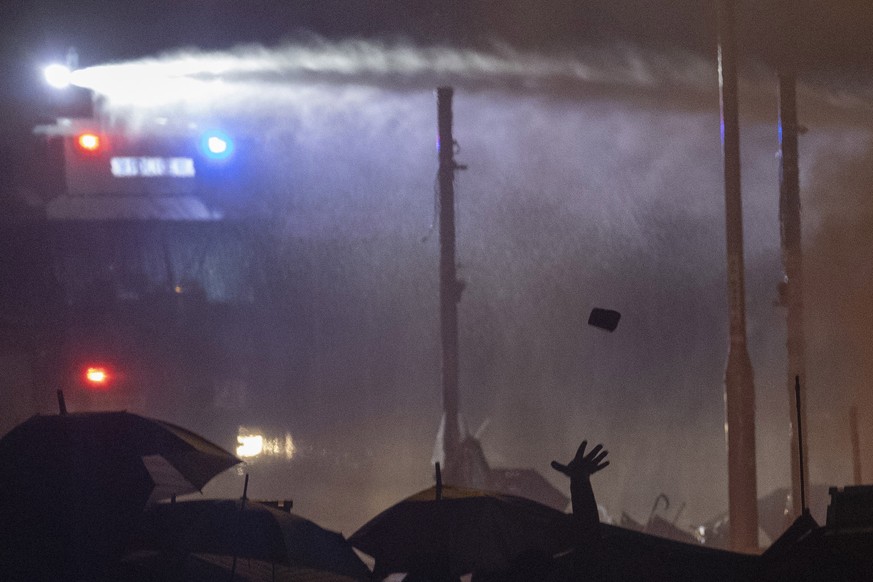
(584,562)
(460,531)
(605,319)
(579,470)
(75,485)
(435,571)
(534,564)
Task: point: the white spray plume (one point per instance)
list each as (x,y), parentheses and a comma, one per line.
(253,80)
(369,62)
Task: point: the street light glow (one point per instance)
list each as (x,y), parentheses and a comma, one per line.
(58,76)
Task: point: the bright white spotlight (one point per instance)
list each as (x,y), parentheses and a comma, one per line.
(58,76)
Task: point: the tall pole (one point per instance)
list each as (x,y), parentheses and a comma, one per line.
(450,287)
(739,382)
(791,294)
(856,445)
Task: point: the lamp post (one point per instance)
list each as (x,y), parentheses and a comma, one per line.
(739,382)
(450,288)
(790,237)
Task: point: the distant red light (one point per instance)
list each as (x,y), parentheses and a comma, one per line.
(89,142)
(97,377)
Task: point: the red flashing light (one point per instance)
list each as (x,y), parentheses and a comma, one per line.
(88,142)
(97,377)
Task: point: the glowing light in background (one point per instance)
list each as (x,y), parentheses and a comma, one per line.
(146,84)
(249,445)
(252,444)
(97,377)
(129,167)
(58,76)
(216,145)
(90,142)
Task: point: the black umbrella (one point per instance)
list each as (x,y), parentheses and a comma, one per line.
(74,484)
(149,566)
(249,530)
(466,530)
(67,448)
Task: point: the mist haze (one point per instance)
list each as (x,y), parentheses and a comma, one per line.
(590,183)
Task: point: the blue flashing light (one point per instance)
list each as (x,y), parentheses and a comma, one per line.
(216,145)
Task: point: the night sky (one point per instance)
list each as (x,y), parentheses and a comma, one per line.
(578,194)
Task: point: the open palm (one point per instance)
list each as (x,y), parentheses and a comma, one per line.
(583,465)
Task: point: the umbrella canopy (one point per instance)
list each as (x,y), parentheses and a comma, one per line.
(464,531)
(634,555)
(75,483)
(250,530)
(67,447)
(151,566)
(527,483)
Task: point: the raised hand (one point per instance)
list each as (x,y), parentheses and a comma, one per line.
(585,513)
(582,465)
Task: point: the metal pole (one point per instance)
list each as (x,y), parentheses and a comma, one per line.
(856,444)
(800,443)
(739,382)
(450,288)
(791,291)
